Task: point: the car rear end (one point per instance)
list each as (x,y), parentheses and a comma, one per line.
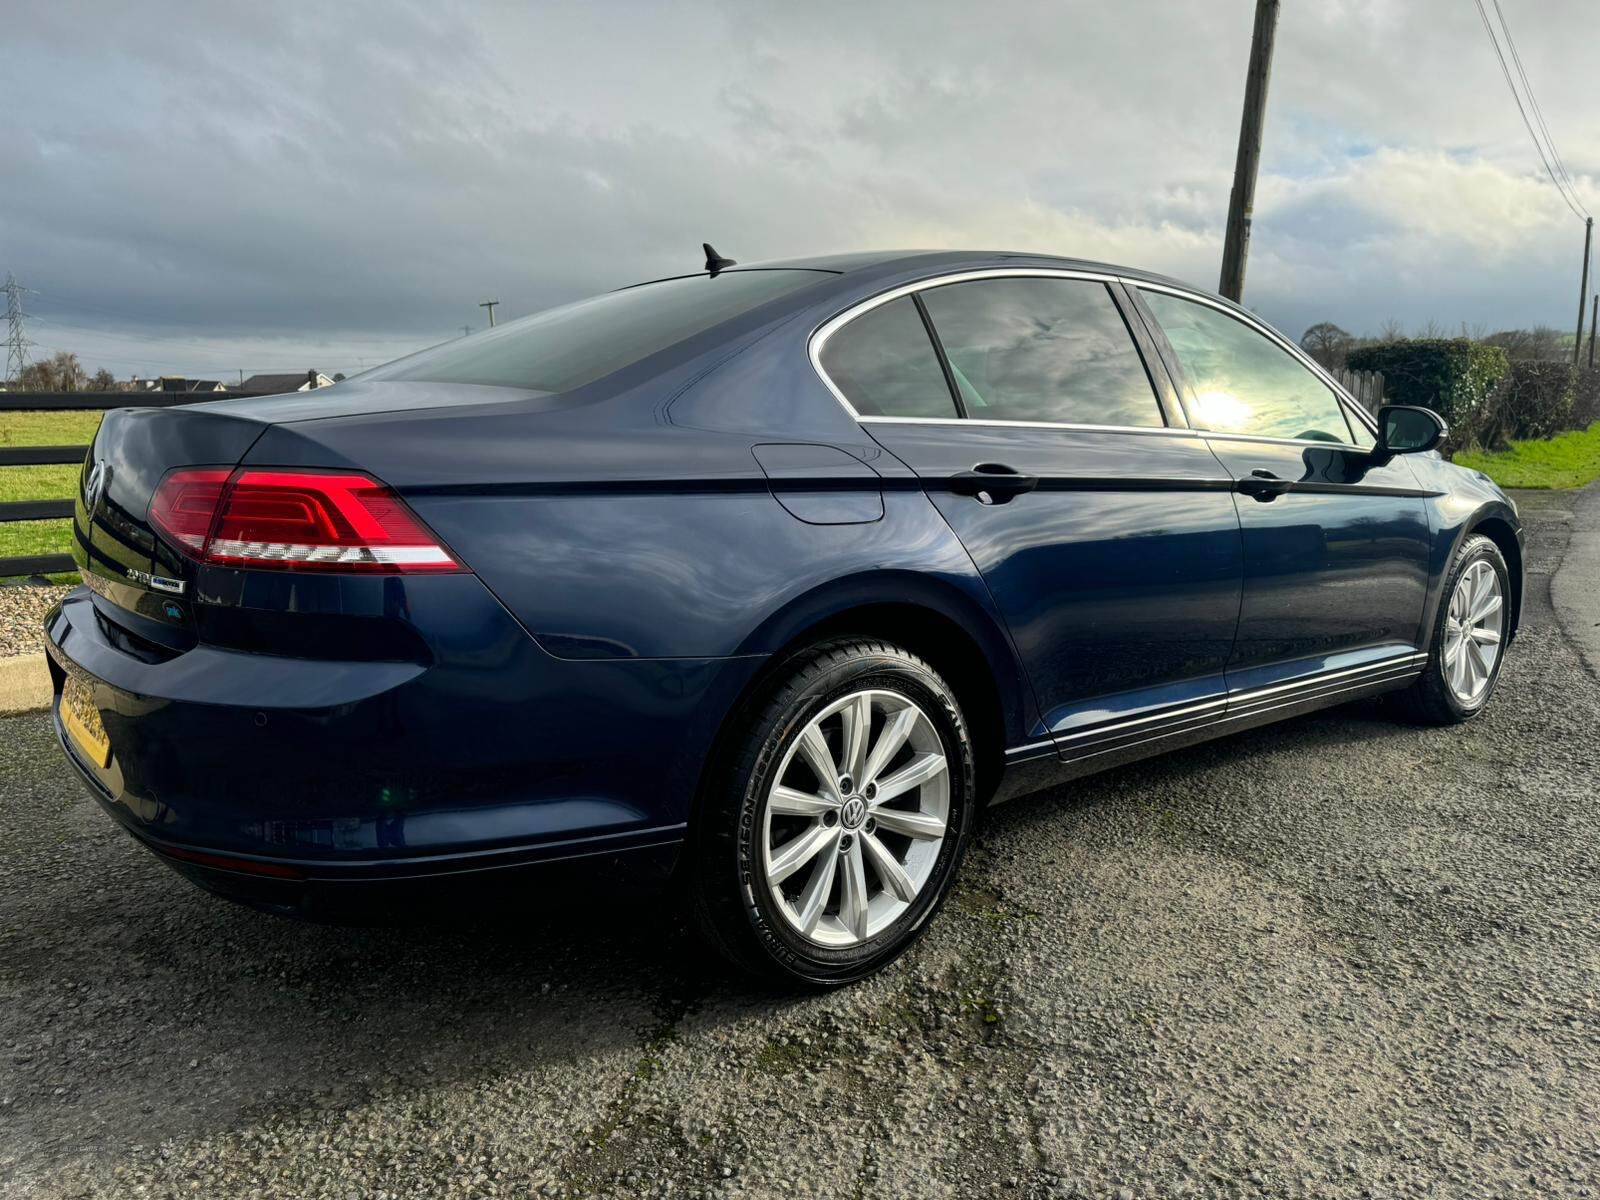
(282,682)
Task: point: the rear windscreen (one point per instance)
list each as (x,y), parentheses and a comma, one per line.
(565,348)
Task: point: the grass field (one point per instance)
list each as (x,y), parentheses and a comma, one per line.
(41,483)
(1567,460)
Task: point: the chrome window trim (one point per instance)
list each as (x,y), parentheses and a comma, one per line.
(1340,396)
(1215,435)
(1165,430)
(820,336)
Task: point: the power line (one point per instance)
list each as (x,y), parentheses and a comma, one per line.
(1537,144)
(1538,112)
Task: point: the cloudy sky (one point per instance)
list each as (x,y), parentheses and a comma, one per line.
(222,186)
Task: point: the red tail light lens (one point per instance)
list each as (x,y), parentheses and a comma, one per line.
(186,503)
(295,520)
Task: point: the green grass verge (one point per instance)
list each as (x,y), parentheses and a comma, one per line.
(48,428)
(22,538)
(38,483)
(1567,460)
(41,483)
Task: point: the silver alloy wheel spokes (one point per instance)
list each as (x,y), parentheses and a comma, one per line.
(856,817)
(1473,626)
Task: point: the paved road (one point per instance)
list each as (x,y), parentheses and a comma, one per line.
(1341,957)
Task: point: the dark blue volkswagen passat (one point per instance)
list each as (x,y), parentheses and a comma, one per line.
(766,578)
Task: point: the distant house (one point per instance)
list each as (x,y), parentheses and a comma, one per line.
(272,385)
(177,383)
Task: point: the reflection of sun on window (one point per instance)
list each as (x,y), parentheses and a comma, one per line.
(1222,410)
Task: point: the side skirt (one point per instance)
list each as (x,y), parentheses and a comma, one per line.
(1033,768)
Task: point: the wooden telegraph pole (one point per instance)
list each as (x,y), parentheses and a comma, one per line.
(1236,246)
(1583,288)
(1594,319)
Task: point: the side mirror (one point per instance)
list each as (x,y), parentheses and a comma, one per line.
(1403,429)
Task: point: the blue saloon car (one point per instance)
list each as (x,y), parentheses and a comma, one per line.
(761,581)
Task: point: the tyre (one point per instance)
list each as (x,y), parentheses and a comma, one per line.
(831,833)
(1469,639)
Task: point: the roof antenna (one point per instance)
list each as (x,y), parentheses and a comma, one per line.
(714,262)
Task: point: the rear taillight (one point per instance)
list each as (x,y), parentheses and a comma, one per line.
(295,520)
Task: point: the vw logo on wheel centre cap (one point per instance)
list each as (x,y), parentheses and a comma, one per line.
(853,813)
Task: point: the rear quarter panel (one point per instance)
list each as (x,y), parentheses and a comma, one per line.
(643,527)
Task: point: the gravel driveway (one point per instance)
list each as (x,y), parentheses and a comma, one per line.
(1339,957)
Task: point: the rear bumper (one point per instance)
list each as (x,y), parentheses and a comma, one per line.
(283,781)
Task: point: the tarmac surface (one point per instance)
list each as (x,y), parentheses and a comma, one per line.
(1337,957)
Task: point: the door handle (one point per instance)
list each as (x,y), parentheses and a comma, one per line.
(992,483)
(1263,485)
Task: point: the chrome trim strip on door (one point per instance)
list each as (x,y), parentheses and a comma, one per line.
(1033,750)
(1238,705)
(1169,714)
(1286,702)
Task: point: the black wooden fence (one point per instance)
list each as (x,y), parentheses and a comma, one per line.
(1365,386)
(37,456)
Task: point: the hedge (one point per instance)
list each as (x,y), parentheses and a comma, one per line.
(1537,401)
(1452,376)
(1586,402)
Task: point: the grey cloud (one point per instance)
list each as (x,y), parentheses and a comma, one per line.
(239,181)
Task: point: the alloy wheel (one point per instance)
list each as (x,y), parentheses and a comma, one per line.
(1473,628)
(855,818)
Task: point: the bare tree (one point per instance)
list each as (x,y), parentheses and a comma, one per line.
(1392,331)
(1327,343)
(103,381)
(62,372)
(1540,342)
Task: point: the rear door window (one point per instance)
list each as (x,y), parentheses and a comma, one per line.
(885,364)
(1241,381)
(1037,348)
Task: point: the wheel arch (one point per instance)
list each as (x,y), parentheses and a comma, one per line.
(1499,529)
(934,620)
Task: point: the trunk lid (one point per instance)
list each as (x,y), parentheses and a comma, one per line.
(116,549)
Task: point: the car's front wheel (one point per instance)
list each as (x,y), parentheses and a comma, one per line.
(1469,638)
(832,832)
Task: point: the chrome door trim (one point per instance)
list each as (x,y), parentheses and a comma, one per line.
(819,339)
(1090,742)
(820,336)
(1166,430)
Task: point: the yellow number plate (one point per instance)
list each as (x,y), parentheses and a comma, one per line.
(81,720)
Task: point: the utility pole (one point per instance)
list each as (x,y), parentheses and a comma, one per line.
(1583,288)
(1236,246)
(489,304)
(16,340)
(1594,319)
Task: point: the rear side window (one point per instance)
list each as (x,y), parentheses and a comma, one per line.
(885,364)
(1042,349)
(565,348)
(1242,382)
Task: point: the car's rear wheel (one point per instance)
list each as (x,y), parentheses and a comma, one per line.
(833,830)
(1469,638)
